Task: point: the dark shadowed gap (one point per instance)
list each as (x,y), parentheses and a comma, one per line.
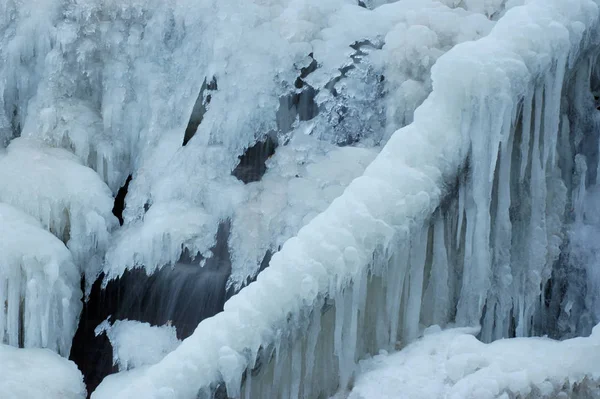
(252,165)
(183,294)
(119,205)
(200,108)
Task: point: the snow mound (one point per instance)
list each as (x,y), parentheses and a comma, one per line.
(39,285)
(69,199)
(453,364)
(138,344)
(38,374)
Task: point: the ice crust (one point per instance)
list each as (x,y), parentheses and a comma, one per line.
(352,280)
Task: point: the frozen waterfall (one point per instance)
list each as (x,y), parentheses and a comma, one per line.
(288,187)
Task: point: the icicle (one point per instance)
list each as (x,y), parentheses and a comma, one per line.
(462,312)
(412,312)
(248,384)
(344,334)
(278,368)
(579,195)
(476,278)
(537,227)
(351,334)
(3,301)
(338,330)
(439,274)
(502,242)
(296,370)
(526,133)
(311,344)
(12,314)
(553,110)
(461,210)
(397,275)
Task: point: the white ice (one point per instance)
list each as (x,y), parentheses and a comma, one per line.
(67,198)
(138,344)
(38,374)
(39,285)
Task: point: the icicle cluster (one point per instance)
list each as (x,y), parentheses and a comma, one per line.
(39,285)
(354,278)
(68,198)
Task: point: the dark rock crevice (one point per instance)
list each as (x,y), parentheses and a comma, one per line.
(119,205)
(200,108)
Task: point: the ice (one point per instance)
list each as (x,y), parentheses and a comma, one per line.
(116,83)
(38,374)
(137,344)
(453,364)
(366,258)
(78,127)
(69,199)
(167,230)
(266,213)
(39,285)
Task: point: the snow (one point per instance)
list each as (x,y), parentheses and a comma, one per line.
(354,275)
(39,285)
(453,364)
(38,374)
(138,344)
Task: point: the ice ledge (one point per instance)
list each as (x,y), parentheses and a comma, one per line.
(398,192)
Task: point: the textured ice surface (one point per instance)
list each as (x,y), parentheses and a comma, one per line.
(38,374)
(138,344)
(453,364)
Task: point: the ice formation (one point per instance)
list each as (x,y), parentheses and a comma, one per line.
(38,374)
(68,198)
(353,279)
(396,164)
(39,285)
(329,103)
(138,344)
(453,364)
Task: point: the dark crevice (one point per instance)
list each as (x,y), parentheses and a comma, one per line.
(252,165)
(200,108)
(182,294)
(119,205)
